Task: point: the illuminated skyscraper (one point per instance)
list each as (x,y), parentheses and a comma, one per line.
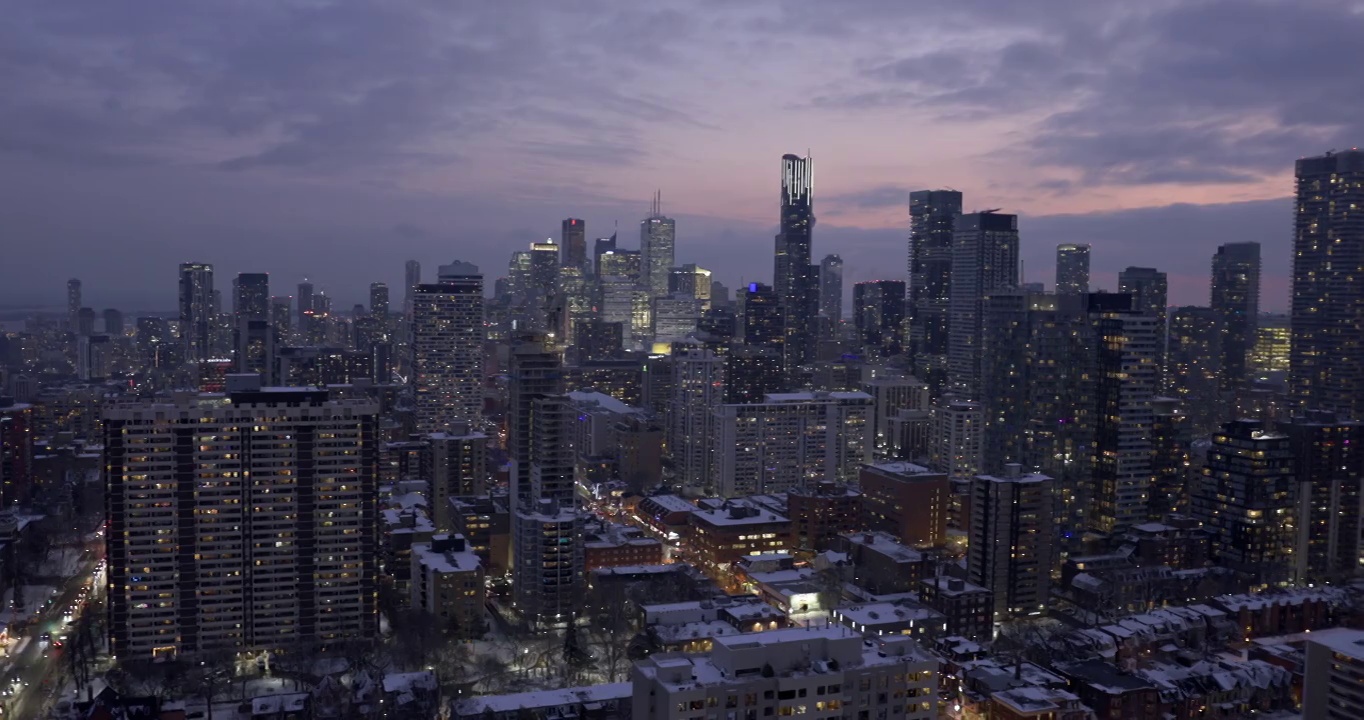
(573,244)
(196,310)
(1072,269)
(305,303)
(984,260)
(657,246)
(447,350)
(600,247)
(1236,301)
(793,280)
(1326,368)
(932,215)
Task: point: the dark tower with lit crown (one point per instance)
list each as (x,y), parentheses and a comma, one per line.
(792,278)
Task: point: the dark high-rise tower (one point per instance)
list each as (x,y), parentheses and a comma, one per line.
(831,288)
(305,302)
(984,260)
(1326,365)
(1072,269)
(573,244)
(196,310)
(762,317)
(795,284)
(252,298)
(1149,288)
(378,299)
(447,349)
(1236,301)
(73,301)
(932,214)
(879,316)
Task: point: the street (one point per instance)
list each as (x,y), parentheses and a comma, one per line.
(37,669)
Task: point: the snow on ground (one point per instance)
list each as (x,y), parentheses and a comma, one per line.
(62,562)
(35,599)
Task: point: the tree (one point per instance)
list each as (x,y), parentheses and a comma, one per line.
(610,631)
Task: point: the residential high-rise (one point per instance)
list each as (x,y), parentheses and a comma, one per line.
(831,288)
(1326,367)
(751,373)
(1328,465)
(73,301)
(1247,499)
(1236,302)
(763,318)
(251,299)
(984,261)
(879,317)
(698,387)
(932,217)
(281,315)
(196,310)
(447,349)
(1072,269)
(1124,386)
(657,247)
(1192,363)
(1149,290)
(792,280)
(456,464)
(547,529)
(573,244)
(534,371)
(790,441)
(241,524)
(1010,542)
(957,435)
(378,300)
(16,452)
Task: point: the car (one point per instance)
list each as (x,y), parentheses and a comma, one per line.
(45,638)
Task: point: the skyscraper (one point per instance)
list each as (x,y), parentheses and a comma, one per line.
(73,301)
(601,246)
(1236,302)
(762,319)
(196,310)
(657,246)
(573,244)
(831,288)
(1010,545)
(984,260)
(1328,465)
(271,548)
(1326,365)
(412,277)
(447,349)
(1148,288)
(932,216)
(879,316)
(378,299)
(251,301)
(1192,362)
(1124,386)
(794,283)
(305,303)
(1072,269)
(698,387)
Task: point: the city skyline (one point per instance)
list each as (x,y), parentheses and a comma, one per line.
(324,171)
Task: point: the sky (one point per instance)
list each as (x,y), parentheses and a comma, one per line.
(335,140)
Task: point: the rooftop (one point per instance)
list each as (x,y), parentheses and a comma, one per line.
(614,692)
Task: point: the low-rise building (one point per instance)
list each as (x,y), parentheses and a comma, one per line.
(822,673)
(881,565)
(967,608)
(822,512)
(721,535)
(908,501)
(610,545)
(448,583)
